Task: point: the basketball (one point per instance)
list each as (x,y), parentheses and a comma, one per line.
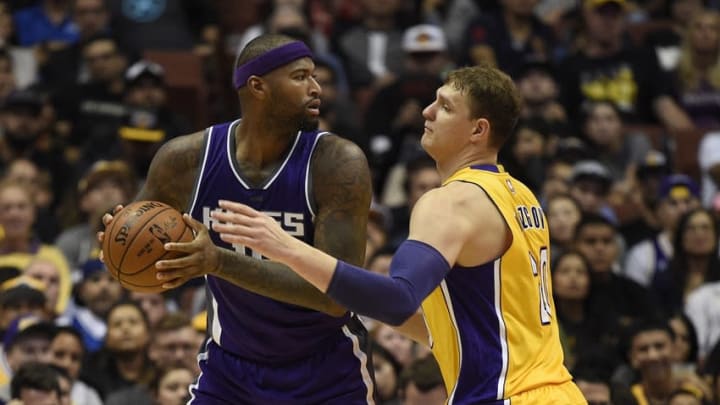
(134,242)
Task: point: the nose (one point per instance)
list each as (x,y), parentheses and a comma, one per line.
(427,113)
(315,88)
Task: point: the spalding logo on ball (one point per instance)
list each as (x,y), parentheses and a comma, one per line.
(134,241)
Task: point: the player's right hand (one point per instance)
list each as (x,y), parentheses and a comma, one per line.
(106,219)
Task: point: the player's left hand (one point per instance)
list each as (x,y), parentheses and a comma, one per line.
(201,256)
(240,224)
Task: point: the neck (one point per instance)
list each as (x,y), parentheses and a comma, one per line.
(260,142)
(451,167)
(517,22)
(56,10)
(697,264)
(703,61)
(379,23)
(15,245)
(599,49)
(658,389)
(571,309)
(130,365)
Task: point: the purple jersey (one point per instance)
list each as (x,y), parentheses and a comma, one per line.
(251,326)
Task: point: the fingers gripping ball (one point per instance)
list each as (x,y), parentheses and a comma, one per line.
(134,242)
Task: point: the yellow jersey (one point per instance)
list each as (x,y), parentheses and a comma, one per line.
(492,327)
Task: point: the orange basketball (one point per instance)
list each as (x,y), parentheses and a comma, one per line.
(134,242)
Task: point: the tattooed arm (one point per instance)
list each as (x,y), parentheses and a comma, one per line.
(341,182)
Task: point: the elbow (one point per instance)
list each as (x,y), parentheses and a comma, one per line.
(335,310)
(398,317)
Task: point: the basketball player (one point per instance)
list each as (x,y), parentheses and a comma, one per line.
(266,346)
(476,258)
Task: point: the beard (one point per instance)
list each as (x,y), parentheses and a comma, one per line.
(20,142)
(299,121)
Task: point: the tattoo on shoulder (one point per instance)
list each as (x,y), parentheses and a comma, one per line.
(341,176)
(172,172)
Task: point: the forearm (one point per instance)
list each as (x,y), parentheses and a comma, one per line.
(273,280)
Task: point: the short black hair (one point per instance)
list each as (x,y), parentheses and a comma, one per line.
(589,218)
(417,163)
(261,45)
(34,375)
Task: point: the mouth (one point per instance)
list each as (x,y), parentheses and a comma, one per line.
(313,107)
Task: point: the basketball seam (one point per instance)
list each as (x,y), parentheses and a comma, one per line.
(159,258)
(130,242)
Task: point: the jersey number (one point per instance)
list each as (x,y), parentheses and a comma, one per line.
(541,271)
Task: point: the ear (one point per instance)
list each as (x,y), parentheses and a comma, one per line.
(481,130)
(257,87)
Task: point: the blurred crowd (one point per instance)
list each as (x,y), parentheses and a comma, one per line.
(619,138)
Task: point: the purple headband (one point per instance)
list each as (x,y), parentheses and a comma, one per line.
(270,61)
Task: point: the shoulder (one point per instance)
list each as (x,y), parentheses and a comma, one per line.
(183,146)
(333,153)
(456,200)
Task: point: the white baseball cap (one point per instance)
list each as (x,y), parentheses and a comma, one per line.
(424,38)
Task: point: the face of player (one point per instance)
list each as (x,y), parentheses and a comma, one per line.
(173,387)
(571,279)
(651,354)
(126,330)
(295,95)
(47,273)
(448,125)
(597,243)
(66,351)
(17,212)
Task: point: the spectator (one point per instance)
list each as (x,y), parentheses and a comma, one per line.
(48,22)
(39,182)
(19,245)
(604,68)
(96,293)
(36,383)
(174,343)
(642,200)
(103,186)
(421,383)
(20,296)
(401,347)
(67,352)
(56,284)
(153,304)
(590,185)
(123,361)
(709,162)
(617,149)
(650,354)
(581,327)
(646,261)
(28,134)
(703,308)
(524,155)
(695,259)
(563,214)
(91,18)
(387,373)
(166,25)
(508,38)
(372,51)
(540,91)
(612,294)
(698,71)
(421,175)
(685,344)
(171,386)
(666,41)
(26,340)
(377,230)
(393,118)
